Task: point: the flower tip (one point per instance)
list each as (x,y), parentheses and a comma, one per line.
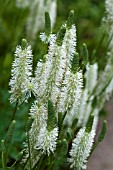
(23,44)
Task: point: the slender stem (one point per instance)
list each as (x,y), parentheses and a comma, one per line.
(13,117)
(29,151)
(3,161)
(13,164)
(14,113)
(99,44)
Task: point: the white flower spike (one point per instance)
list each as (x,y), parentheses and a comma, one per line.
(20,82)
(81,148)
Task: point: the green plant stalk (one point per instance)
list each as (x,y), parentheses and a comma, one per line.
(29,150)
(3,155)
(14,113)
(3,161)
(50,163)
(108,43)
(99,44)
(13,164)
(15,110)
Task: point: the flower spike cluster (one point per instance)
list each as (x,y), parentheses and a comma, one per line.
(20,82)
(54,80)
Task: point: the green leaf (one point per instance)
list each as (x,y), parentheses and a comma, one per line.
(47,24)
(103,131)
(60,36)
(71,19)
(69,134)
(29,123)
(74,124)
(51,116)
(23,44)
(89,123)
(64,147)
(60,118)
(10,132)
(19,156)
(75,63)
(85,55)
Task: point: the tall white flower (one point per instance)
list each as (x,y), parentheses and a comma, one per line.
(47,140)
(22,3)
(63,63)
(91,76)
(51,7)
(44,74)
(71,94)
(39,112)
(20,82)
(81,147)
(87,96)
(37,12)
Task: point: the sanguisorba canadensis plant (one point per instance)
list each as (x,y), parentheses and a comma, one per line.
(62,120)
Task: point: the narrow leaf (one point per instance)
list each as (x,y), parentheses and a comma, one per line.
(10,132)
(47,24)
(71,19)
(51,116)
(75,63)
(60,36)
(89,123)
(103,131)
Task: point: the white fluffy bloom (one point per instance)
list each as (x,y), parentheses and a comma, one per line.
(78,92)
(37,12)
(70,43)
(39,112)
(109,9)
(71,95)
(51,7)
(91,77)
(44,73)
(22,3)
(47,140)
(64,54)
(20,82)
(86,102)
(81,147)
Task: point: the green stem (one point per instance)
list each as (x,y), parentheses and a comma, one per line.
(6,146)
(29,151)
(99,44)
(13,165)
(14,113)
(3,161)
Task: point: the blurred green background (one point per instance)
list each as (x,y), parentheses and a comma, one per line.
(88,18)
